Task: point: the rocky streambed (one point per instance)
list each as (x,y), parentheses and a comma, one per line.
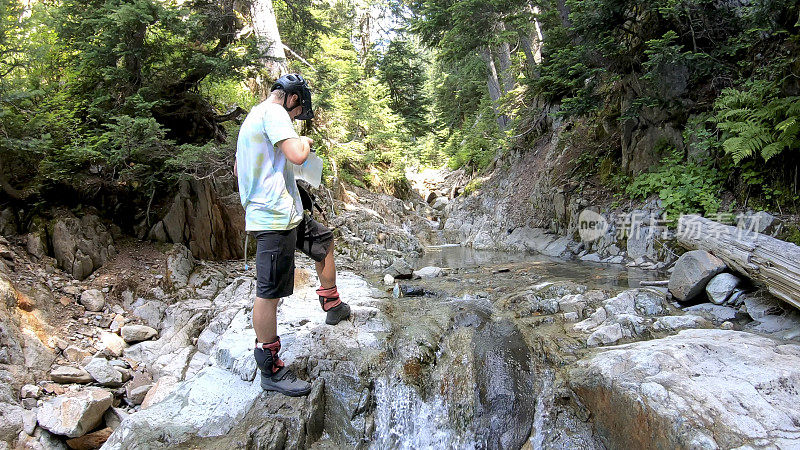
(499,351)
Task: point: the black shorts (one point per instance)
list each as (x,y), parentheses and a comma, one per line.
(275,255)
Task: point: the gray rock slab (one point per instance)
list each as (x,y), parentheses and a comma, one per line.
(209,404)
(697,389)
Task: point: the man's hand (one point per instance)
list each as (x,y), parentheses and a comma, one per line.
(296,149)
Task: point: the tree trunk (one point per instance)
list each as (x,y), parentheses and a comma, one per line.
(503,52)
(494,87)
(762,258)
(265,26)
(531,43)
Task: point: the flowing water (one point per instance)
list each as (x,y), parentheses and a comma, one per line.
(464,373)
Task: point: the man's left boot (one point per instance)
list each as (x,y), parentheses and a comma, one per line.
(337,309)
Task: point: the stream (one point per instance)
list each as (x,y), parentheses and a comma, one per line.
(468,370)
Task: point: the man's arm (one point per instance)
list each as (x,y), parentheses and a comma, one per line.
(296,149)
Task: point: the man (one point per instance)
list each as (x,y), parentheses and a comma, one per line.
(267,150)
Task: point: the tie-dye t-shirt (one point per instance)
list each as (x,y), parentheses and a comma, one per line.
(266,179)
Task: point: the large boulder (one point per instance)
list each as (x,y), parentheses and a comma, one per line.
(82,245)
(204,219)
(74,414)
(697,389)
(210,404)
(692,271)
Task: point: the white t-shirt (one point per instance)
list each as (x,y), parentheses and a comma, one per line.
(267,187)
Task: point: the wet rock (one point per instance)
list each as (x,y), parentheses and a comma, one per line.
(591,257)
(93,300)
(535,240)
(692,271)
(69,374)
(720,288)
(104,373)
(137,333)
(429,272)
(697,389)
(90,441)
(180,264)
(315,418)
(400,269)
(408,290)
(73,414)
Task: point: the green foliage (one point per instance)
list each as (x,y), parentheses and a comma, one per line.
(757,121)
(683,187)
(477,146)
(404,72)
(473,186)
(101,92)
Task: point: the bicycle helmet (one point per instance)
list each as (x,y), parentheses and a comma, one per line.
(295,84)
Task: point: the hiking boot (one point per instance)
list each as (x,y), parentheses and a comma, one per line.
(285,382)
(329,300)
(338,313)
(274,376)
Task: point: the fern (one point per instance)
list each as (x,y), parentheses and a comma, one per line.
(757,121)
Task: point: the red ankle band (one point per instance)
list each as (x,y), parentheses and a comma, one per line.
(273,347)
(328,298)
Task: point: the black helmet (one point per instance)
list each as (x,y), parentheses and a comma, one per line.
(295,84)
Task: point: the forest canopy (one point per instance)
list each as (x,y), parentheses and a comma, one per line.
(129,96)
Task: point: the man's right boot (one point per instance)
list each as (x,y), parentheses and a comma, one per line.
(274,375)
(335,309)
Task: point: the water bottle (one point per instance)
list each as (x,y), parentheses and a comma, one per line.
(310,171)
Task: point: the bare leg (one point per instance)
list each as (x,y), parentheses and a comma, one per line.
(326,270)
(265,322)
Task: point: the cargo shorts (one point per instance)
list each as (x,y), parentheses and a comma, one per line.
(275,255)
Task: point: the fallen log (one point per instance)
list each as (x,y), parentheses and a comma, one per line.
(764,259)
